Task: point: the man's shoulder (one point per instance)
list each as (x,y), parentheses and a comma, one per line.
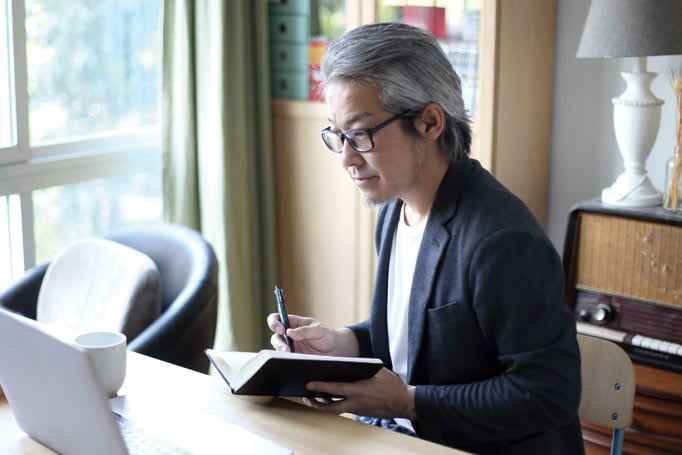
(476,198)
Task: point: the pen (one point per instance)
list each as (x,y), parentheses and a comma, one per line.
(283,316)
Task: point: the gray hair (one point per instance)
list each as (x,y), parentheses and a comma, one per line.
(410,69)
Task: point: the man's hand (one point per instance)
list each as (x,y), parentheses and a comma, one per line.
(385,395)
(312,337)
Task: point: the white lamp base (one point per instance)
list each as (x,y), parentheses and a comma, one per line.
(632,192)
(636,118)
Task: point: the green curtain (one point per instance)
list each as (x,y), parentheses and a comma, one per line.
(218,174)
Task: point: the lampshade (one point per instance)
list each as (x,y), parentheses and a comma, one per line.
(632,28)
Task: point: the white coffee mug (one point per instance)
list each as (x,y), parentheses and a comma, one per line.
(107,351)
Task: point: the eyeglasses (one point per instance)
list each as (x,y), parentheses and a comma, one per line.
(360,139)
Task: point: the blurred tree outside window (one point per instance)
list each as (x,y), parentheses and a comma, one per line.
(100,73)
(91,103)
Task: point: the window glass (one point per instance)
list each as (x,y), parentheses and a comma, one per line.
(92,66)
(93,83)
(66,213)
(327,18)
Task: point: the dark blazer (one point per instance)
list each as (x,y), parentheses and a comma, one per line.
(492,344)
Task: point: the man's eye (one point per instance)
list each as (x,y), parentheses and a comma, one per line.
(357,135)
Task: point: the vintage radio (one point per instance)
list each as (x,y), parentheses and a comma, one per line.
(624,277)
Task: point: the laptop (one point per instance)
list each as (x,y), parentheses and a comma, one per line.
(54,394)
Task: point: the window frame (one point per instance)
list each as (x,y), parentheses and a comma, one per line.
(18,102)
(25,168)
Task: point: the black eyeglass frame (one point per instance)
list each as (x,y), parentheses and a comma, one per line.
(368,131)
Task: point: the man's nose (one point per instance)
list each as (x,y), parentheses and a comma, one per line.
(349,156)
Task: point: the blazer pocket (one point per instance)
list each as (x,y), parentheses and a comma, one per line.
(452,336)
(453,349)
(444,322)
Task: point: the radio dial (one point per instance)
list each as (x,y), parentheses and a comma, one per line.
(602,313)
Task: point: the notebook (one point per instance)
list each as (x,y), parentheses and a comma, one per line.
(55,397)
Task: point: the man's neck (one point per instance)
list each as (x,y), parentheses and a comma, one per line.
(418,203)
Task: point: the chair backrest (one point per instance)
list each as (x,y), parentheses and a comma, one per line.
(188,272)
(608,386)
(189,293)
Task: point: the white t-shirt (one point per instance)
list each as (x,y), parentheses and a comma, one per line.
(404,252)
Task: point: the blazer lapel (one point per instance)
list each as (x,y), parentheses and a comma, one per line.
(434,244)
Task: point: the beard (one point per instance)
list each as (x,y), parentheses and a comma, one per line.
(373,203)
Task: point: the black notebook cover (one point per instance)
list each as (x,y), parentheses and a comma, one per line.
(287,377)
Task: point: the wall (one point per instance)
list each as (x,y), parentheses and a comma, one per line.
(584,153)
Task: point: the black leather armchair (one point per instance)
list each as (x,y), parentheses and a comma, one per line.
(189,293)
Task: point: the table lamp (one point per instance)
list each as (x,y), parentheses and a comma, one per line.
(633,28)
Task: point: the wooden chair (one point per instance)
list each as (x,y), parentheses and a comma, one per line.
(608,387)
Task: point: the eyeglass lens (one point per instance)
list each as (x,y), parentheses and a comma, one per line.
(359,140)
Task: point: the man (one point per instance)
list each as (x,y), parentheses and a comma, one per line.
(468,311)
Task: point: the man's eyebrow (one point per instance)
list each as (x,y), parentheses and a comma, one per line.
(353,118)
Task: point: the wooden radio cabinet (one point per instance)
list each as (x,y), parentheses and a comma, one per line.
(624,282)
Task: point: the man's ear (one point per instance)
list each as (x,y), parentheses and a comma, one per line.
(430,121)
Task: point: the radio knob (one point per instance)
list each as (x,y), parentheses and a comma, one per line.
(584,315)
(602,313)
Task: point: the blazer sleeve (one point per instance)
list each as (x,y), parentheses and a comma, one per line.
(516,284)
(362,333)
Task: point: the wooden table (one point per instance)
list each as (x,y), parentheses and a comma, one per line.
(302,429)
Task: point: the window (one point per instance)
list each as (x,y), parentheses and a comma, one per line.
(79,123)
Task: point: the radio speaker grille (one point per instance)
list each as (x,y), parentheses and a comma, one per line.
(629,257)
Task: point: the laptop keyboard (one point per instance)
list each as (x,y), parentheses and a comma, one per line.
(139,441)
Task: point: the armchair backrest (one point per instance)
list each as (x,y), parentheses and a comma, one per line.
(189,293)
(188,272)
